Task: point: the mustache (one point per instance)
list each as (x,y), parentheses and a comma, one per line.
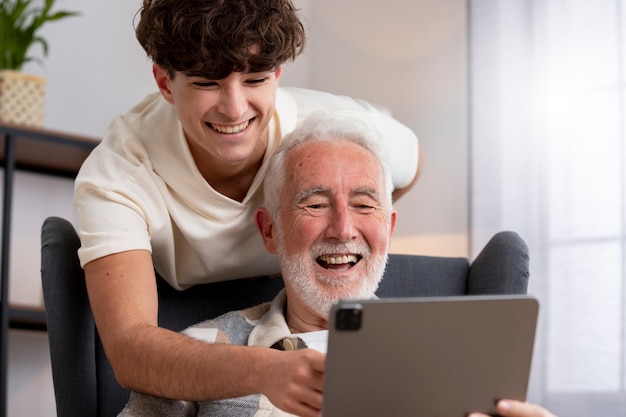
(352,247)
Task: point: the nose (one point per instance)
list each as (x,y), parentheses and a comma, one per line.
(232,102)
(341,224)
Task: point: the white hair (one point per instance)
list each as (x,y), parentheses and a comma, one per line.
(320,126)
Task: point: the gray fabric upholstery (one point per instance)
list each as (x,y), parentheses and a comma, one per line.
(83,380)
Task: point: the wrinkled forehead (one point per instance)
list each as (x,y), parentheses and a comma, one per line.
(332,164)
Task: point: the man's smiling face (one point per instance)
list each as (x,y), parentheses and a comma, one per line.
(334,225)
(227,119)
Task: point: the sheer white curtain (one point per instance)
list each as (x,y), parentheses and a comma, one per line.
(548,108)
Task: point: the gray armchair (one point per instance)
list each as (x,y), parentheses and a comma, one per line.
(83,379)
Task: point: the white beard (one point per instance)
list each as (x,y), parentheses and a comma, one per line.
(317,290)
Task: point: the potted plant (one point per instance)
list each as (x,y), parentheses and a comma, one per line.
(22,95)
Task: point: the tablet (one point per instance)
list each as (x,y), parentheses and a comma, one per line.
(428,357)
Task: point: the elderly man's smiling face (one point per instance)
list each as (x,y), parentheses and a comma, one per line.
(334,224)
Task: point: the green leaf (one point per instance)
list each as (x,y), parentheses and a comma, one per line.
(20,22)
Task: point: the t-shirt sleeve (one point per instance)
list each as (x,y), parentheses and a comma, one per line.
(401,147)
(108,223)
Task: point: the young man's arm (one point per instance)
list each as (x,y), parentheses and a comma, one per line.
(156,361)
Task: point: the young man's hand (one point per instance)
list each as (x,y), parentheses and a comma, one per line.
(295,382)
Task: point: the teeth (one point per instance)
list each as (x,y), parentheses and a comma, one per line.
(334,260)
(231,129)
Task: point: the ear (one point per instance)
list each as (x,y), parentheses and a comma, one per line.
(278,72)
(394,216)
(163,82)
(265,226)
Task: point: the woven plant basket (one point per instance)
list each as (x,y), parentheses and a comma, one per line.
(22,98)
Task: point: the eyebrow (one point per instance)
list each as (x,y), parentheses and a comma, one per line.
(367,191)
(305,194)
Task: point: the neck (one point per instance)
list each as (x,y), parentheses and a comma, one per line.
(301,319)
(232,179)
(235,183)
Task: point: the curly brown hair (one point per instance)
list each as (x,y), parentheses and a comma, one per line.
(212,38)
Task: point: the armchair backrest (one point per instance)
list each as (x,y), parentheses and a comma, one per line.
(83,380)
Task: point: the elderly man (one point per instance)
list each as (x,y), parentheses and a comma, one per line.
(328,216)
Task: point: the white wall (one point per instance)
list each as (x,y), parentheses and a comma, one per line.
(406,55)
(409,56)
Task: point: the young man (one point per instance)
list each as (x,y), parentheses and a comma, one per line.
(175,183)
(329,218)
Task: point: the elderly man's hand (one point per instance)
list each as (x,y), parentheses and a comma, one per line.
(295,381)
(511,408)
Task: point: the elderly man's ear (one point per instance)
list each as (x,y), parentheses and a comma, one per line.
(265,225)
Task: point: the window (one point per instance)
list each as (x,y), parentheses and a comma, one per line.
(548,160)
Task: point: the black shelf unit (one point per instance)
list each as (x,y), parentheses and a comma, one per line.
(41,151)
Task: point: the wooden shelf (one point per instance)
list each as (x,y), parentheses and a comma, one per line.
(27,318)
(46,151)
